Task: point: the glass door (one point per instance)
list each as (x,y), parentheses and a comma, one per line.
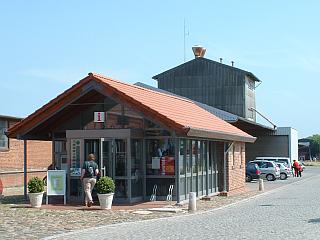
(91,146)
(107,158)
(113,163)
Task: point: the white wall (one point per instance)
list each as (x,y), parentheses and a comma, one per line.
(294,144)
(293,140)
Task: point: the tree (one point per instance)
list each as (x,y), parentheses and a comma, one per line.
(315,144)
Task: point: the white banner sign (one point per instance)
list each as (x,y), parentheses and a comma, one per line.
(56,182)
(99,116)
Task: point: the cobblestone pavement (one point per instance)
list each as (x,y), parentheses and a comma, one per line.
(20,222)
(290,212)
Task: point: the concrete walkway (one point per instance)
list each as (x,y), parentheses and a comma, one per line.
(19,221)
(288,212)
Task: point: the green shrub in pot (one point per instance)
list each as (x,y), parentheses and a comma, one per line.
(105,185)
(35,185)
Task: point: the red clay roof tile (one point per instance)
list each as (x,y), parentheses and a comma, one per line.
(179,113)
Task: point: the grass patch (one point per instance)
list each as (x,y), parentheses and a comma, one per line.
(312,163)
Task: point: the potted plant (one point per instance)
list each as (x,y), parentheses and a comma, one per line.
(36,189)
(105,189)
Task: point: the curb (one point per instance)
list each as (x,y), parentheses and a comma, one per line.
(62,235)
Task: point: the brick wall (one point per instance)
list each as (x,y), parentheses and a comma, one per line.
(236,169)
(39,157)
(16,179)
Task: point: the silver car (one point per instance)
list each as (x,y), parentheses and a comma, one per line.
(285,171)
(269,170)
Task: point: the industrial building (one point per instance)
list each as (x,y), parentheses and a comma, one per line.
(230,93)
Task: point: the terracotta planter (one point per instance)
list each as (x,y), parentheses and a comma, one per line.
(36,199)
(105,200)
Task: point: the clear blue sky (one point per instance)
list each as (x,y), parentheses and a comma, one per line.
(47,46)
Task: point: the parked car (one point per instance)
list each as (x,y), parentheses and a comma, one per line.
(284,160)
(285,171)
(269,169)
(252,172)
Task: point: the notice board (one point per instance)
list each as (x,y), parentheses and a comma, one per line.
(56,183)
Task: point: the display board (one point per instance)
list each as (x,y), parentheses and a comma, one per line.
(56,183)
(167,165)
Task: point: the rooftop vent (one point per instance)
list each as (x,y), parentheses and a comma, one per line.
(198,51)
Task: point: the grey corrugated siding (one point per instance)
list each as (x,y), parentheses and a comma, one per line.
(268,146)
(208,82)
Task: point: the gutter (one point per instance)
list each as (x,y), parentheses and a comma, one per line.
(195,132)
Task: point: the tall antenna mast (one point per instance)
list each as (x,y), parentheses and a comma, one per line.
(184,39)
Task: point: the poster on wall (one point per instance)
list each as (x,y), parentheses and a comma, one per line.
(56,183)
(75,157)
(167,165)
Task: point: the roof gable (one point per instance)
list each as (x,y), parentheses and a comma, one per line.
(207,61)
(179,114)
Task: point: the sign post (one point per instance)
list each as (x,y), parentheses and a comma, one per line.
(56,184)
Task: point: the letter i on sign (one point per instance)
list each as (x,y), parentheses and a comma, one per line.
(99,117)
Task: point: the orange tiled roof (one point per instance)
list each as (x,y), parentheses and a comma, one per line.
(181,111)
(179,114)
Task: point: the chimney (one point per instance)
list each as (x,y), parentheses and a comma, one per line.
(220,60)
(232,63)
(198,51)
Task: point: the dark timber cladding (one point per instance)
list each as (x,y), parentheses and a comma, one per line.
(216,84)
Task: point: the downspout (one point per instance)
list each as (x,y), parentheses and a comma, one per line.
(225,165)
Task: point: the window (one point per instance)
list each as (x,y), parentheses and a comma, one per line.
(270,165)
(3,138)
(160,157)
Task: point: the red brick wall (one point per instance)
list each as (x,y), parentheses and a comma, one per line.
(236,168)
(39,157)
(9,179)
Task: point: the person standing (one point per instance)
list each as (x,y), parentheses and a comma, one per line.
(300,170)
(296,168)
(89,178)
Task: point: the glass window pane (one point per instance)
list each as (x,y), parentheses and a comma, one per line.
(136,187)
(182,157)
(120,157)
(199,158)
(3,137)
(204,156)
(121,190)
(160,157)
(136,157)
(136,167)
(194,156)
(188,156)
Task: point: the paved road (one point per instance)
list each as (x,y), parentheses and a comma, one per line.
(277,214)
